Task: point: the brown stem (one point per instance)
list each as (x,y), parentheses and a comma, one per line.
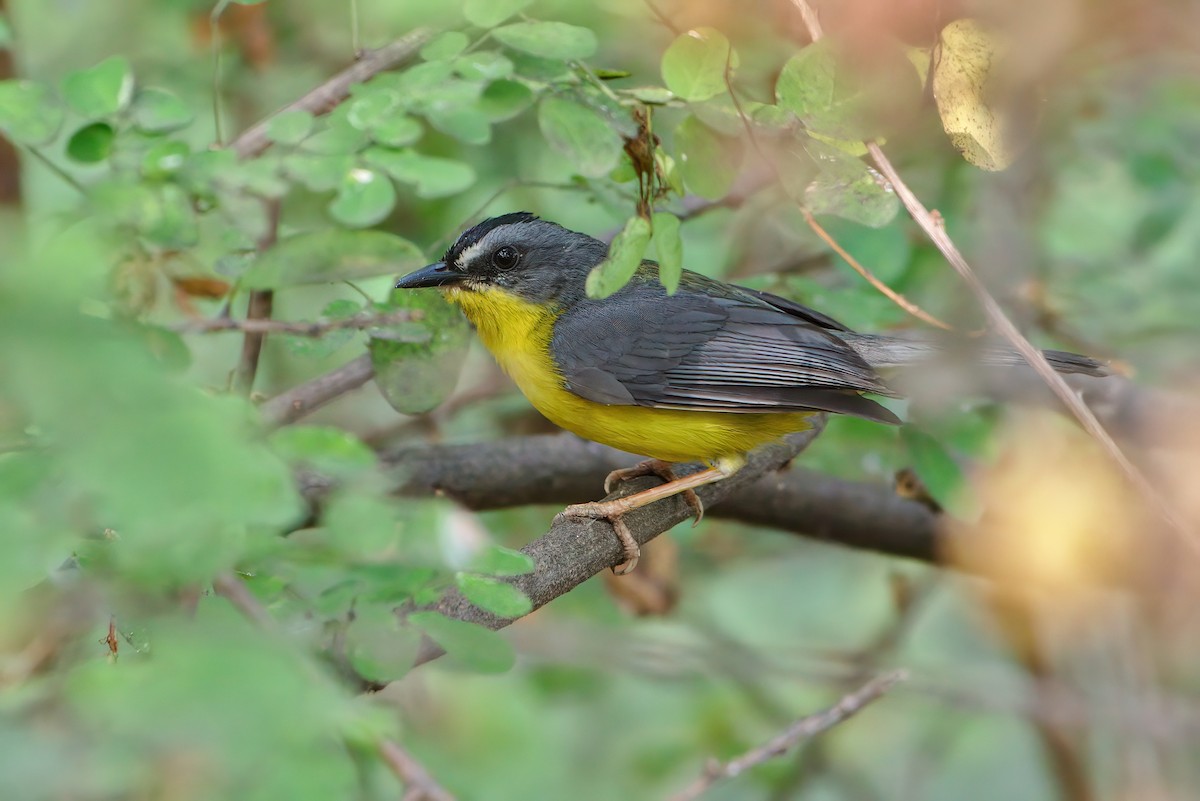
(260,306)
(805,728)
(290,406)
(327,96)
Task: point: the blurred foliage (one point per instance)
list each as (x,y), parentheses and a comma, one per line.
(132,477)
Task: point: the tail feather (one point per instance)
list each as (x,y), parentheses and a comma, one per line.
(884,352)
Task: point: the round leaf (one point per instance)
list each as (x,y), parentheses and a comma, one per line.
(708,161)
(447,45)
(91,143)
(397,130)
(581,134)
(416,373)
(503,100)
(165,159)
(100,91)
(160,111)
(365,198)
(498,597)
(290,127)
(555,40)
(624,256)
(432,175)
(694,65)
(490,13)
(29,112)
(325,448)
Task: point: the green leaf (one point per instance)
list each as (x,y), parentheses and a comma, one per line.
(668,245)
(652,95)
(375,105)
(378,647)
(812,86)
(168,218)
(102,90)
(708,161)
(498,597)
(554,40)
(496,560)
(503,100)
(329,255)
(414,374)
(885,250)
(936,468)
(326,449)
(30,114)
(397,130)
(290,127)
(473,645)
(320,173)
(624,256)
(157,111)
(91,143)
(581,134)
(483,65)
(432,175)
(490,13)
(364,198)
(846,187)
(465,123)
(694,65)
(444,46)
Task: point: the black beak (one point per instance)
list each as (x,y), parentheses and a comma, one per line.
(437,274)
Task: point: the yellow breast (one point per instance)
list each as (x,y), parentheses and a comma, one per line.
(518,334)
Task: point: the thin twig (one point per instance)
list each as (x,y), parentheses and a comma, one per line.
(260,306)
(803,729)
(328,95)
(298,328)
(999,320)
(234,590)
(666,21)
(420,785)
(891,294)
(290,406)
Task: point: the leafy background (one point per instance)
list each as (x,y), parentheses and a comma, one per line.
(135,469)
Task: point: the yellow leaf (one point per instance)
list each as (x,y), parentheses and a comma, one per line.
(964,86)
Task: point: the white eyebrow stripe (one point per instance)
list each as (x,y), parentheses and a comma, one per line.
(470,253)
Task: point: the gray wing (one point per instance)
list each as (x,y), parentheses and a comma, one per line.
(710,347)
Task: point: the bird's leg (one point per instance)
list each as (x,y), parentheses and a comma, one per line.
(613,510)
(655,467)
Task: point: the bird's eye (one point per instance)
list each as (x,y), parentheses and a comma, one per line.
(506,258)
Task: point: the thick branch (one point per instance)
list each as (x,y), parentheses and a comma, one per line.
(561,469)
(573,551)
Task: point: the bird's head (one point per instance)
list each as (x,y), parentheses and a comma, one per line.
(535,260)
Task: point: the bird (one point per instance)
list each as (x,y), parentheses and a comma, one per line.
(706,373)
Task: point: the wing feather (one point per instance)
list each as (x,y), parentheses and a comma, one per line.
(711,347)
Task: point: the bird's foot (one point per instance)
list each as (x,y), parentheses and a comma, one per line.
(612,511)
(656,467)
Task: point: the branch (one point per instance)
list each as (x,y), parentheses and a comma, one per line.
(288,407)
(936,231)
(803,729)
(260,306)
(573,551)
(421,786)
(560,469)
(358,322)
(328,95)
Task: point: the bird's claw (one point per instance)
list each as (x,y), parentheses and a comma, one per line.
(655,467)
(597,511)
